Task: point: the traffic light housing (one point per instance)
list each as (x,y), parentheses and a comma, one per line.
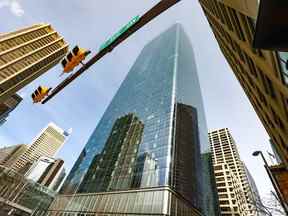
(39,94)
(74,58)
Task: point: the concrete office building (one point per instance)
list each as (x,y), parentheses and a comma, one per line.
(260,73)
(47,171)
(236,188)
(26,54)
(8,106)
(10,154)
(46,143)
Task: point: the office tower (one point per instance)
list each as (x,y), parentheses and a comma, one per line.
(26,54)
(146,150)
(47,171)
(261,73)
(8,106)
(47,143)
(236,196)
(10,154)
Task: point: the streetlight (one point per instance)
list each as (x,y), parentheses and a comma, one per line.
(273,180)
(256,153)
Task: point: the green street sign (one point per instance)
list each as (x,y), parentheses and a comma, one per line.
(119,33)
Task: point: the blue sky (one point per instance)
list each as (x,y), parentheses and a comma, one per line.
(80,106)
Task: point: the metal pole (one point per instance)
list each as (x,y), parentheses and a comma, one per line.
(264,159)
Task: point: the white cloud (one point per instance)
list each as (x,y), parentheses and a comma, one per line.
(14,6)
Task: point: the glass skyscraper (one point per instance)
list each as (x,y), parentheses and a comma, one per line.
(148,154)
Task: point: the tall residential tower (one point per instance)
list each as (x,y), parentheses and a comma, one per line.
(262,76)
(148,154)
(26,54)
(237,192)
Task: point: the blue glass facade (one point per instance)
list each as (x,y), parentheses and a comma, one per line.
(162,92)
(284,56)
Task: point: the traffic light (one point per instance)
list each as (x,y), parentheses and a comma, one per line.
(39,94)
(74,58)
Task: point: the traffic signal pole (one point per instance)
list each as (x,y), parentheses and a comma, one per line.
(158,9)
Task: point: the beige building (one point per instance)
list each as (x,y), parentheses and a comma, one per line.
(230,193)
(48,172)
(10,154)
(47,143)
(262,76)
(236,197)
(26,54)
(8,106)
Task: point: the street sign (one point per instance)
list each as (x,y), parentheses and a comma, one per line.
(139,22)
(119,33)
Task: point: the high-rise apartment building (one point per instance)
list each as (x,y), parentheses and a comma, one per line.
(47,143)
(10,154)
(237,191)
(232,199)
(145,155)
(8,106)
(260,73)
(47,171)
(26,54)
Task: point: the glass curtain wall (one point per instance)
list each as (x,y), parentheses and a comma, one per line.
(154,131)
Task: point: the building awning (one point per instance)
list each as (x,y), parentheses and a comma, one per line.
(272,25)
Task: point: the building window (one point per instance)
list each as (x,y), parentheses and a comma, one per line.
(224,202)
(236,24)
(223,196)
(270,87)
(264,83)
(221,190)
(285,105)
(284,71)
